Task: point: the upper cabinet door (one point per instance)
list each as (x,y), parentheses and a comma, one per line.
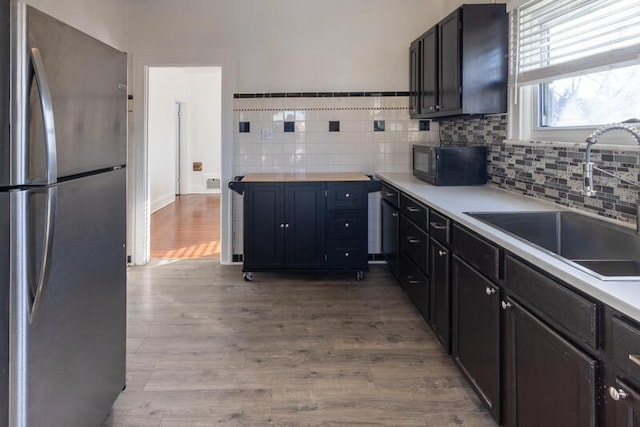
(429,75)
(414,78)
(450,86)
(87,81)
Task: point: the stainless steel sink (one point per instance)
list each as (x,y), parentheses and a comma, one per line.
(605,250)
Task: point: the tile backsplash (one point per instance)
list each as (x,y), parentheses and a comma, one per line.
(374,133)
(326,132)
(552,171)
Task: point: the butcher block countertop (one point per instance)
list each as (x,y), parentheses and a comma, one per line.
(305,177)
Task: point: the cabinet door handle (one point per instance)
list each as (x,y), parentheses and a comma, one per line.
(437,226)
(489,290)
(346,225)
(506,305)
(411,239)
(635,358)
(281,225)
(394,214)
(411,281)
(412,209)
(286,226)
(347,195)
(442,253)
(617,393)
(346,254)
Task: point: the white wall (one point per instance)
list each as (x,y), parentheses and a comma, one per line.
(104,20)
(285,45)
(204,116)
(199,89)
(449,6)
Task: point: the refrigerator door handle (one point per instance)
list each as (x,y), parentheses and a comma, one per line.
(46,105)
(47,246)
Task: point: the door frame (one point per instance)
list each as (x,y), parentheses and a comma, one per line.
(139,219)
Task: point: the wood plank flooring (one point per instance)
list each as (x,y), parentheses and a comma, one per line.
(189,228)
(206,348)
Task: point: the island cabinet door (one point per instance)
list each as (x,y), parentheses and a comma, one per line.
(476,332)
(548,381)
(305,229)
(264,226)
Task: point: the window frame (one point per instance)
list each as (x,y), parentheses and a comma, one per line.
(524,106)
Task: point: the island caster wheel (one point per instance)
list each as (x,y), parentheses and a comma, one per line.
(248,276)
(359,276)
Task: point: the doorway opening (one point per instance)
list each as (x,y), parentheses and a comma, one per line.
(184,161)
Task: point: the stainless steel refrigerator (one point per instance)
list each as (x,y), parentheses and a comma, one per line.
(62,222)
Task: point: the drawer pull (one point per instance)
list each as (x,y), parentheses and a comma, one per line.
(489,290)
(635,358)
(617,393)
(281,225)
(411,239)
(438,226)
(411,281)
(390,194)
(412,209)
(441,253)
(346,254)
(394,214)
(506,305)
(347,195)
(346,225)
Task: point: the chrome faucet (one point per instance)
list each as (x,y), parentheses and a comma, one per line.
(588,167)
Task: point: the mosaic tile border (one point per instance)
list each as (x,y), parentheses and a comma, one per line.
(319,94)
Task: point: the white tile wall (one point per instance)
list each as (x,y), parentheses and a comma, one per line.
(312,148)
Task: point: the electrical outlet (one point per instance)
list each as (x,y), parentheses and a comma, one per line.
(267,134)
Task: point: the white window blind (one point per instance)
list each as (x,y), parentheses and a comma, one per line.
(551,39)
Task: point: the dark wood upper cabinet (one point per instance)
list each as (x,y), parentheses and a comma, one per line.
(461,67)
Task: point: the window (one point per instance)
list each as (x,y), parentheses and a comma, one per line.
(574,63)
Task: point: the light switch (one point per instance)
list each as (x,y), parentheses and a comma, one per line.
(267,134)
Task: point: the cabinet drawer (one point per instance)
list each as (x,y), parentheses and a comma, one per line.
(416,284)
(390,194)
(414,243)
(415,211)
(347,195)
(567,311)
(626,348)
(347,254)
(478,252)
(347,224)
(439,226)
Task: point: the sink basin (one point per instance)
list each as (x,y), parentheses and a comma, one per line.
(605,250)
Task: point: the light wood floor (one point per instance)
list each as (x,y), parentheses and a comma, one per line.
(206,348)
(189,228)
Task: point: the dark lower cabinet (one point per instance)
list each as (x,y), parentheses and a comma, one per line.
(264,226)
(548,381)
(390,219)
(304,225)
(476,332)
(440,287)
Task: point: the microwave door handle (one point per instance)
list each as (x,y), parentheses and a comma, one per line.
(46,104)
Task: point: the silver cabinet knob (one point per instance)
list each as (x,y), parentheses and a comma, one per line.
(346,225)
(617,393)
(394,214)
(489,290)
(347,195)
(346,254)
(506,305)
(286,226)
(281,225)
(441,253)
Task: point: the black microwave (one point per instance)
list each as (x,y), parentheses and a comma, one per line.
(450,165)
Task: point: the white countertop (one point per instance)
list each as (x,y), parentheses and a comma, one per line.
(454,201)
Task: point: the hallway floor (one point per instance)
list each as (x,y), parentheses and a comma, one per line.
(189,228)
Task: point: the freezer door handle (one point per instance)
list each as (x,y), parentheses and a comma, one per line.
(46,105)
(38,292)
